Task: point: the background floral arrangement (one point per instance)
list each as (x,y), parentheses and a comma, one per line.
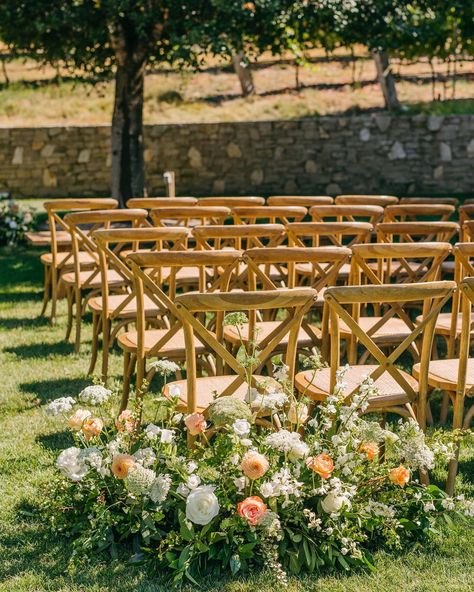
(325,489)
(14,221)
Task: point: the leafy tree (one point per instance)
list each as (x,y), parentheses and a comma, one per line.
(102,38)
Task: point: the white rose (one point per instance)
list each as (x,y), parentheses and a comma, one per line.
(241,427)
(71,464)
(240,483)
(174,390)
(202,505)
(332,503)
(167,436)
(298,450)
(266,489)
(193,481)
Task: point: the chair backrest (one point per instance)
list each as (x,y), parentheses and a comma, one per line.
(418,212)
(403,263)
(416,232)
(299,200)
(344,305)
(318,234)
(111,242)
(151,203)
(148,272)
(452,201)
(466,214)
(188,215)
(347,213)
(269,214)
(83,224)
(296,301)
(366,200)
(55,207)
(232,202)
(238,236)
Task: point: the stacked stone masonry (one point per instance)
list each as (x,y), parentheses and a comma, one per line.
(375,153)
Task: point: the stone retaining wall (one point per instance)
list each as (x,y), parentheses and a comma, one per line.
(374,153)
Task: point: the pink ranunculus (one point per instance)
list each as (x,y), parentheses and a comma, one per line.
(196,423)
(253,509)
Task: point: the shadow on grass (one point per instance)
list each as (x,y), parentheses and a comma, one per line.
(47,390)
(41,350)
(19,323)
(57,441)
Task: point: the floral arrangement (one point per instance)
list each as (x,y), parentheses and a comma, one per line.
(14,221)
(304,490)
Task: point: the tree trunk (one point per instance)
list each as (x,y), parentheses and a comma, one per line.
(244,73)
(386,79)
(128,165)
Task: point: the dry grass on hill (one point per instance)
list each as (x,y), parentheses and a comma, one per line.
(34,97)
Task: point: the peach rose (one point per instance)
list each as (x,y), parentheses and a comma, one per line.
(298,413)
(322,464)
(254,465)
(400,476)
(125,422)
(92,427)
(195,423)
(78,418)
(371,449)
(121,465)
(252,509)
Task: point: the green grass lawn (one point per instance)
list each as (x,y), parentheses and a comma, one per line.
(36,365)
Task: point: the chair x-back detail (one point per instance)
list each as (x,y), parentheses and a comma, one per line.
(155,276)
(347,213)
(189,215)
(397,390)
(198,392)
(418,212)
(268,214)
(416,232)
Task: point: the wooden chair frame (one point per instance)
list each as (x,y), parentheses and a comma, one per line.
(82,241)
(452,201)
(306,201)
(416,232)
(366,200)
(347,213)
(418,212)
(171,239)
(187,215)
(333,232)
(272,214)
(53,271)
(232,202)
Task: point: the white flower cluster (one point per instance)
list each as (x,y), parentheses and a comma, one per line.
(145,457)
(164,367)
(379,509)
(59,406)
(270,401)
(283,483)
(313,521)
(74,463)
(95,394)
(287,442)
(411,446)
(140,480)
(160,488)
(152,432)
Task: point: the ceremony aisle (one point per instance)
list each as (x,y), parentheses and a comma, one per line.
(36,366)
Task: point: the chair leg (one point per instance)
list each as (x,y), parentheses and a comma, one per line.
(127,372)
(47,282)
(70,317)
(105,349)
(78,300)
(457,424)
(95,342)
(54,294)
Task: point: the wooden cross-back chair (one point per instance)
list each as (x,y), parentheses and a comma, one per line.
(347,213)
(373,264)
(240,237)
(418,212)
(81,285)
(232,202)
(467,231)
(60,258)
(268,214)
(316,234)
(466,213)
(366,200)
(416,232)
(111,312)
(189,215)
(397,390)
(155,277)
(455,375)
(198,392)
(325,263)
(449,326)
(452,201)
(306,201)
